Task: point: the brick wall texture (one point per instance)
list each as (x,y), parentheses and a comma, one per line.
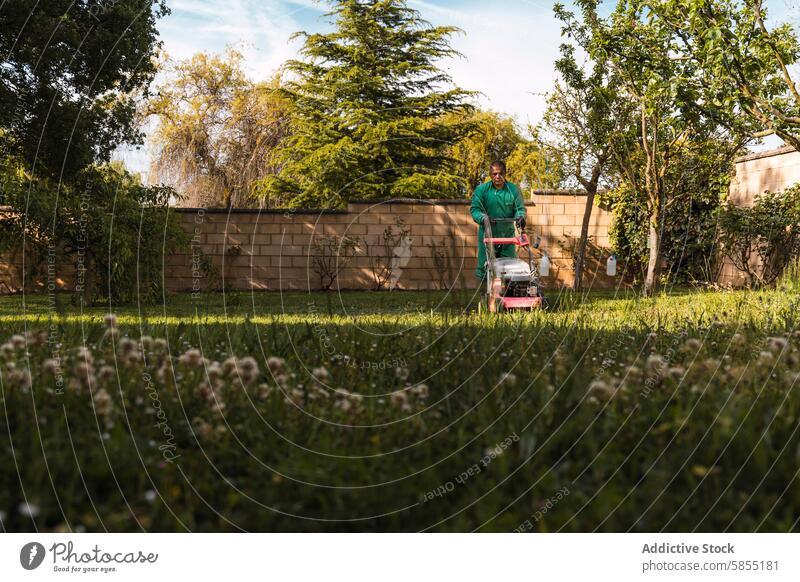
(273,250)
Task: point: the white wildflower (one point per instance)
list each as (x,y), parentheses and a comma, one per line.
(508,379)
(275,364)
(321,374)
(103,404)
(420,391)
(110,321)
(28,509)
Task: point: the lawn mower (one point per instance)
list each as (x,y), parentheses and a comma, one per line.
(512,284)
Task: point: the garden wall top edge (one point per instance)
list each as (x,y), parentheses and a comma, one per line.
(766,154)
(375,201)
(289,211)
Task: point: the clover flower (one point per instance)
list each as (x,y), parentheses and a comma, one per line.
(103,404)
(776,344)
(106,373)
(508,379)
(599,389)
(19,378)
(27,509)
(7,350)
(420,391)
(51,366)
(110,321)
(275,364)
(248,370)
(693,344)
(321,374)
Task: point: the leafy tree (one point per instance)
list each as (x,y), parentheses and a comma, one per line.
(743,66)
(495,137)
(216,130)
(367,107)
(70,73)
(584,113)
(534,166)
(699,184)
(668,130)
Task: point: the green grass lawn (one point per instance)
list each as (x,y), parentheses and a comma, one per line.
(401,412)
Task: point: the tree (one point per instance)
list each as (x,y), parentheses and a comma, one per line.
(367,107)
(744,67)
(698,184)
(216,130)
(496,137)
(535,166)
(662,88)
(69,77)
(584,113)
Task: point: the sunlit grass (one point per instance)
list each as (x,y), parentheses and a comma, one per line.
(331,412)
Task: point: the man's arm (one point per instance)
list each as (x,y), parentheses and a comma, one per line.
(519,203)
(477,209)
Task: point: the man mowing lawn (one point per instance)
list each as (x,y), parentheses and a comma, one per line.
(497,198)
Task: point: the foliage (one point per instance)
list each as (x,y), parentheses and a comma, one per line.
(71,72)
(639,52)
(664,399)
(114,231)
(330,255)
(585,112)
(367,109)
(700,181)
(534,166)
(497,137)
(743,66)
(217,130)
(763,240)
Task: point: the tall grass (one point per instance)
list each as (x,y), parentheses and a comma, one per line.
(403,412)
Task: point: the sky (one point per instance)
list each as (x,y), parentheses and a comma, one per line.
(508,46)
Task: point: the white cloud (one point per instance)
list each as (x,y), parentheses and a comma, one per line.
(508,53)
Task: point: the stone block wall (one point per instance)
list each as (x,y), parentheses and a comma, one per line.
(274,250)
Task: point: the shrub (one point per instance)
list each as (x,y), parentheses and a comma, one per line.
(113,230)
(331,255)
(763,240)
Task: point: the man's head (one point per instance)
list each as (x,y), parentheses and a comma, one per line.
(497,172)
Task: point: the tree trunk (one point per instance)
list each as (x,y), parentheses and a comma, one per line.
(654,237)
(577,284)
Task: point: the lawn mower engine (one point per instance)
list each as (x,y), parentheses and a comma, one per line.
(516,285)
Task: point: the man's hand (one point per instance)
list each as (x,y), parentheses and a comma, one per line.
(521,223)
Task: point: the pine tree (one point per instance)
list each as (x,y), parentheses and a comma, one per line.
(368,106)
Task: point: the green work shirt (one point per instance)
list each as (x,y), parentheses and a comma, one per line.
(505,202)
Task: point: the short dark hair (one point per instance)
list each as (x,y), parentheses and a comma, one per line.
(498,164)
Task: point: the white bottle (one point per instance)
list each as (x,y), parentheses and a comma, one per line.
(611,266)
(544,266)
